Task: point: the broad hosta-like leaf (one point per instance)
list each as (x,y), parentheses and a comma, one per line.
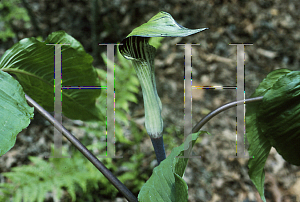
(15,113)
(32,62)
(279,116)
(166,182)
(259,144)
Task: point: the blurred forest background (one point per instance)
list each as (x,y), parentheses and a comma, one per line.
(272,26)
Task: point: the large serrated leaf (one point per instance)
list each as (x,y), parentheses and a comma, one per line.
(15,113)
(32,62)
(161,186)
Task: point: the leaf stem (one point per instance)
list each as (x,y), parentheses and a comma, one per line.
(221,109)
(94,160)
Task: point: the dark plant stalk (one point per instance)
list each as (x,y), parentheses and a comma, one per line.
(221,109)
(100,166)
(158,144)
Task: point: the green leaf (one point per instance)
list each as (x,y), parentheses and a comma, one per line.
(269,81)
(181,189)
(279,116)
(32,182)
(14,110)
(163,25)
(121,116)
(131,97)
(259,149)
(32,62)
(161,186)
(259,145)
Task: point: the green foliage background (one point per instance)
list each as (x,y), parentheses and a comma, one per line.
(76,176)
(9,11)
(76,179)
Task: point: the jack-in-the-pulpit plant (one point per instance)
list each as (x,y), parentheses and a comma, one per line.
(137,49)
(142,55)
(274,121)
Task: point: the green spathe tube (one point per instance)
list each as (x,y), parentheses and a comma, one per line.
(142,55)
(136,48)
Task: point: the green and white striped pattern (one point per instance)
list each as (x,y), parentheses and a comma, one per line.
(142,55)
(137,49)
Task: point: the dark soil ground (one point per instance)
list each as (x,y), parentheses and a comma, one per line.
(271,26)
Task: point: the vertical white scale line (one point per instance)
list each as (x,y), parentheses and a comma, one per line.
(240,109)
(110,103)
(188,101)
(57,153)
(187,97)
